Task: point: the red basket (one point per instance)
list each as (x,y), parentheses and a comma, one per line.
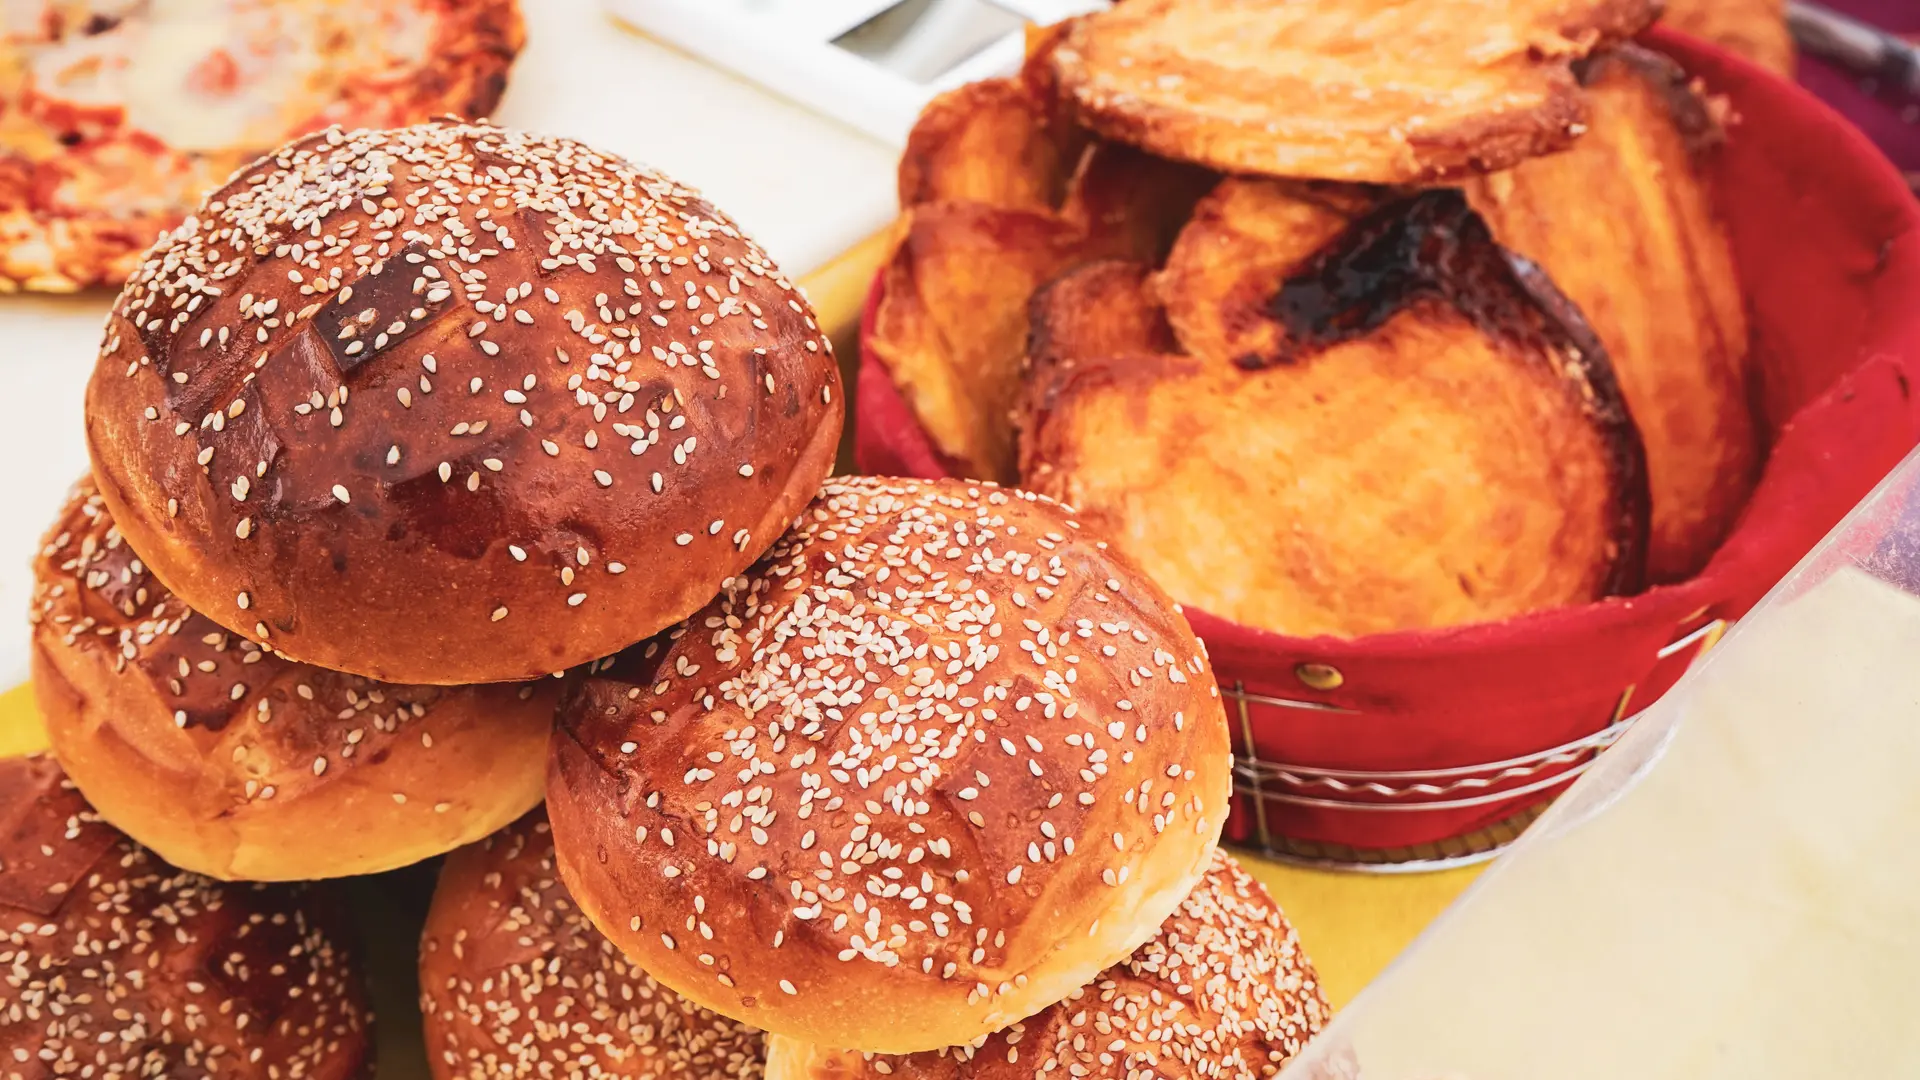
(1403,740)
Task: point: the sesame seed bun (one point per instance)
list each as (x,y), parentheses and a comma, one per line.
(1222,992)
(932,764)
(115,964)
(229,761)
(514,981)
(454,404)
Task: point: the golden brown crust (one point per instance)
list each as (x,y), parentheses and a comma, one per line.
(433,456)
(1756,29)
(1131,203)
(1354,90)
(88,176)
(1625,224)
(1222,992)
(1101,309)
(514,981)
(1007,142)
(1002,190)
(1243,241)
(993,142)
(1438,442)
(935,762)
(951,324)
(226,759)
(113,963)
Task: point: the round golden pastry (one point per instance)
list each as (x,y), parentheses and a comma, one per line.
(233,762)
(455,404)
(1223,992)
(114,964)
(121,115)
(514,981)
(932,764)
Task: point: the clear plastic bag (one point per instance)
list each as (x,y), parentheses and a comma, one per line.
(1733,891)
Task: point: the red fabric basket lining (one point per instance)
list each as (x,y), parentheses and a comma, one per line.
(1827,238)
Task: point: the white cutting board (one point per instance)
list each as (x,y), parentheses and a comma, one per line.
(804,186)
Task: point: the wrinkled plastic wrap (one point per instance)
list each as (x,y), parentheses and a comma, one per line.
(1730,893)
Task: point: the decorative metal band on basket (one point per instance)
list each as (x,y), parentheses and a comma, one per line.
(1416,790)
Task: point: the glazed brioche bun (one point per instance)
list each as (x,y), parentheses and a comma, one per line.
(455,404)
(931,765)
(118,965)
(514,981)
(233,762)
(1222,992)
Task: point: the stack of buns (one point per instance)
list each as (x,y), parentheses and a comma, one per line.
(443,469)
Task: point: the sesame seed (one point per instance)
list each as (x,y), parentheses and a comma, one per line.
(79,975)
(868,651)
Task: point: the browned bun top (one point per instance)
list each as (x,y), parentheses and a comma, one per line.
(409,403)
(229,760)
(514,981)
(934,762)
(114,964)
(1223,992)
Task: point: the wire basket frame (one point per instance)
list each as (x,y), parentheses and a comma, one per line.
(1519,781)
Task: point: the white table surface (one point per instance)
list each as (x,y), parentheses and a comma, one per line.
(804,186)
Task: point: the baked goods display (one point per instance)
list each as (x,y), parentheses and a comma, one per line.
(116,117)
(441,469)
(514,981)
(215,752)
(427,443)
(117,964)
(1222,990)
(937,761)
(1453,336)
